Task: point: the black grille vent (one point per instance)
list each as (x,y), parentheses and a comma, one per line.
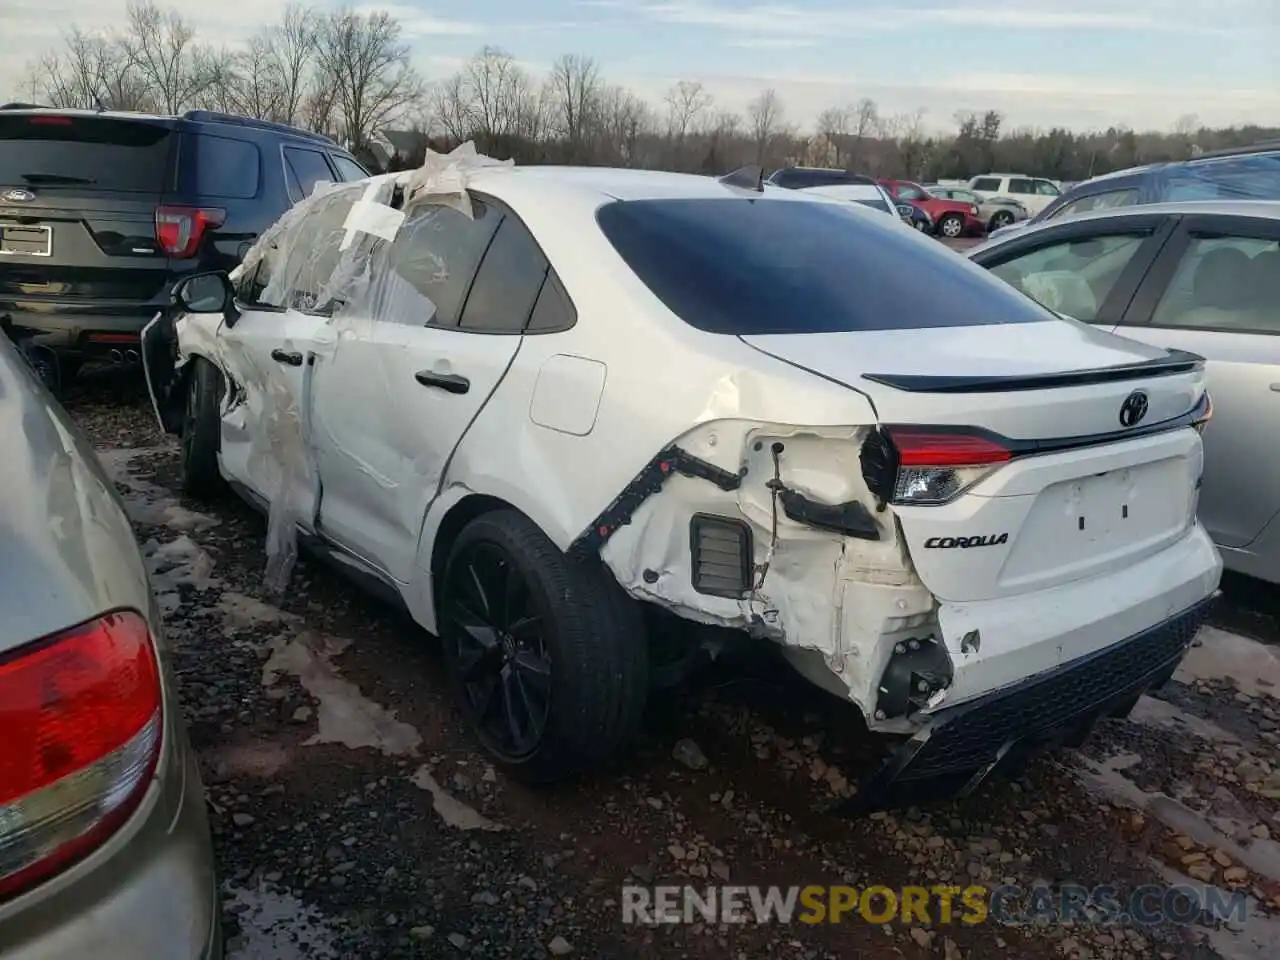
(721,551)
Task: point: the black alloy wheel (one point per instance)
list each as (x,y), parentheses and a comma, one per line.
(496,628)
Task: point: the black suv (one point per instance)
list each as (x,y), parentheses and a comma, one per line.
(100,213)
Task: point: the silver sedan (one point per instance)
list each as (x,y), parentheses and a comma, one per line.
(104,842)
(1197,276)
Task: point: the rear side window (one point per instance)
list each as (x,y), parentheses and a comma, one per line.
(1098,201)
(347,168)
(225,167)
(553,311)
(436,252)
(507,282)
(53,151)
(1224,283)
(306,168)
(986,183)
(1021,185)
(747,266)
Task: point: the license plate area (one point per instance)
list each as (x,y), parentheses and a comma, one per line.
(1079,525)
(19,240)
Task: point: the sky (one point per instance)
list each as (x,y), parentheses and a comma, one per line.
(1075,63)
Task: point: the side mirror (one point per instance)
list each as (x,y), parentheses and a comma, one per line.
(203,293)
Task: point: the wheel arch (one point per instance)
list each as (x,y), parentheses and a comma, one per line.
(446,518)
(171,408)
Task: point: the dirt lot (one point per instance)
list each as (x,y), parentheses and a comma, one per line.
(353,816)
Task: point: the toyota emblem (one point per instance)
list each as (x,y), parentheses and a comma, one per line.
(1133,409)
(17,195)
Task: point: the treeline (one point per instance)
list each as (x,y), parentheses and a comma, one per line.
(351,75)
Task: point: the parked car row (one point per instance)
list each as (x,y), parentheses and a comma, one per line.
(1199,276)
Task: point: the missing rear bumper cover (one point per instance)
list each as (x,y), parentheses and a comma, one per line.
(962,746)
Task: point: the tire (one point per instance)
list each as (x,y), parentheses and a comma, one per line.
(950,225)
(68,369)
(201,427)
(566,649)
(1001,218)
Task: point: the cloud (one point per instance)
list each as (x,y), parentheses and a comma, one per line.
(1026,100)
(417,23)
(773,43)
(822,23)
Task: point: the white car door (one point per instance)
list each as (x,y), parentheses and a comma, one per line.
(411,369)
(268,352)
(1215,291)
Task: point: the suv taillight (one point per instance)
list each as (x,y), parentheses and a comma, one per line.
(82,715)
(926,466)
(180,229)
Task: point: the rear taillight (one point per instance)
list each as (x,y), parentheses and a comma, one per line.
(1205,415)
(51,121)
(973,210)
(81,716)
(928,465)
(179,230)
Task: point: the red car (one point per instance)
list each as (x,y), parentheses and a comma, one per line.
(951,218)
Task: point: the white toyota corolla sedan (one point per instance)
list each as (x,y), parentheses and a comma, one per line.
(532,404)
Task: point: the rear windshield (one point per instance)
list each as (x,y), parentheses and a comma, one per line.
(747,266)
(102,153)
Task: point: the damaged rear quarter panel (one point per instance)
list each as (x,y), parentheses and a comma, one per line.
(717,398)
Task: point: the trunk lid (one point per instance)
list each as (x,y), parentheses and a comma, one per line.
(1081,493)
(78,195)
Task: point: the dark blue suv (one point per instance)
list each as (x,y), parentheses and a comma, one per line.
(1242,173)
(101,212)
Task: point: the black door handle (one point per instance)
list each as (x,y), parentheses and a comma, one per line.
(449,382)
(283,356)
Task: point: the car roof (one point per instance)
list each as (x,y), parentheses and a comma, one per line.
(191,120)
(609,183)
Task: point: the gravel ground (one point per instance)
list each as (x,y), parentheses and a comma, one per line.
(354,817)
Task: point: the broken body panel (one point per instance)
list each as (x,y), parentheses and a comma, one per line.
(373,430)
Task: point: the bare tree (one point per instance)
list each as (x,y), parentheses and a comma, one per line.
(255,90)
(496,85)
(833,126)
(574,93)
(764,115)
(364,59)
(161,45)
(292,44)
(687,102)
(453,107)
(623,118)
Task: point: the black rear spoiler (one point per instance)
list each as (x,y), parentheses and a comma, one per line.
(1177,361)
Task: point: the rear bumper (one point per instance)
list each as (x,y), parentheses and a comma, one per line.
(1046,667)
(86,328)
(962,746)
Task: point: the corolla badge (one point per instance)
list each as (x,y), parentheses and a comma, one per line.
(1133,409)
(17,195)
